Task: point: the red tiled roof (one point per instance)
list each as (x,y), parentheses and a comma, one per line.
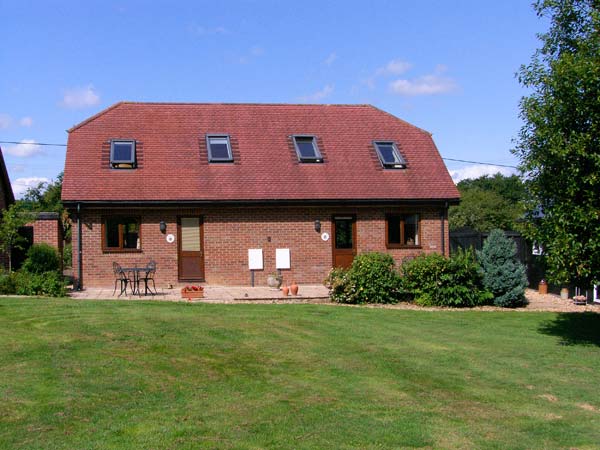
(173,164)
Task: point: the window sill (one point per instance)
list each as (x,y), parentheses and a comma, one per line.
(416,247)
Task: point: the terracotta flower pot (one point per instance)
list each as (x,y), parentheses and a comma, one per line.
(191,292)
(285,290)
(294,288)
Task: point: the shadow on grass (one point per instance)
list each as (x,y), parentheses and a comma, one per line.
(574,328)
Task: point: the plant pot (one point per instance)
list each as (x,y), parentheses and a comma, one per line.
(285,291)
(564,293)
(543,287)
(191,292)
(294,288)
(274,282)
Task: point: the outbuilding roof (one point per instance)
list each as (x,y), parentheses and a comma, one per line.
(172,163)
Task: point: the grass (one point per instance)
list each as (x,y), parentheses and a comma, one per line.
(101,374)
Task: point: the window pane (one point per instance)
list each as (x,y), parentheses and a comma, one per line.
(343,233)
(122,151)
(306,147)
(190,234)
(130,229)
(131,233)
(112,233)
(219,148)
(387,153)
(394,230)
(411,230)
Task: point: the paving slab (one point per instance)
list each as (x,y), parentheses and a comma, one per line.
(215,294)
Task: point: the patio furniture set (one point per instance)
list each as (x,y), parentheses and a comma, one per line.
(133,277)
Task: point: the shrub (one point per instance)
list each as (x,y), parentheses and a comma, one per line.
(68,255)
(7,283)
(434,280)
(504,276)
(372,278)
(42,258)
(49,283)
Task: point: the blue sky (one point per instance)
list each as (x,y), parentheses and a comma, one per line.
(445,66)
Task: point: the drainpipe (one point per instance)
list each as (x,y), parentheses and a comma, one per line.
(442,227)
(79,250)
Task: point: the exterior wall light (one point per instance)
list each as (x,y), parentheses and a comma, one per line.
(163,226)
(318,226)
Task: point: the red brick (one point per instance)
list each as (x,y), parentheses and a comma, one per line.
(230,232)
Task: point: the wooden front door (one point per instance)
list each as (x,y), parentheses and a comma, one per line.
(344,241)
(190,247)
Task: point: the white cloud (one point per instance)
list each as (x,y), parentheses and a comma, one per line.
(26,122)
(5,121)
(254,52)
(80,97)
(330,59)
(394,67)
(425,85)
(204,31)
(26,148)
(17,168)
(479,170)
(20,185)
(257,51)
(317,96)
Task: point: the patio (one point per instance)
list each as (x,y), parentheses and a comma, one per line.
(314,294)
(213,294)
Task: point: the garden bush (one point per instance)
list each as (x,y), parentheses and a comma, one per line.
(372,278)
(68,255)
(434,280)
(504,276)
(50,284)
(7,283)
(41,258)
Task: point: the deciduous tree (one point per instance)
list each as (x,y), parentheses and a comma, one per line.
(13,218)
(559,143)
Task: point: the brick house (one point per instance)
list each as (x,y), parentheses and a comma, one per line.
(7,198)
(207,189)
(46,228)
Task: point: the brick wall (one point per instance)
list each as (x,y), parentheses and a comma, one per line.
(48,230)
(229,233)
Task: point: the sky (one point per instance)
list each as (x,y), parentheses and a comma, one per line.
(445,66)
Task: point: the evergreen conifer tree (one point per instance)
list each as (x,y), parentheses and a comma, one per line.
(504,275)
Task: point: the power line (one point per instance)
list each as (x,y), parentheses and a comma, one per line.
(446,159)
(479,162)
(32,143)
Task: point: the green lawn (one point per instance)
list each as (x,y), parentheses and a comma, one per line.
(109,374)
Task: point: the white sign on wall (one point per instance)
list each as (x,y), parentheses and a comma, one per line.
(255,259)
(282,258)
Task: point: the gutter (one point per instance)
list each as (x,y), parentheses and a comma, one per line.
(265,202)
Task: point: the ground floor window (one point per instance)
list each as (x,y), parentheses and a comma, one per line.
(402,230)
(121,234)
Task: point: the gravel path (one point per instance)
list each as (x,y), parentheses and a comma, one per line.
(551,302)
(537,302)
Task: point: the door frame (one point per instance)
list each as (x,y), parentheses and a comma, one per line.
(201,227)
(354,244)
